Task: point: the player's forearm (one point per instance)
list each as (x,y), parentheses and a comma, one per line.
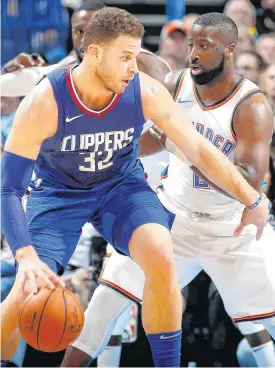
(249,177)
(208,159)
(217,167)
(148,145)
(14,221)
(16,172)
(21,82)
(213,186)
(10,334)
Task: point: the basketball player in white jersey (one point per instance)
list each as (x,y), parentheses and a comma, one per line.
(233,113)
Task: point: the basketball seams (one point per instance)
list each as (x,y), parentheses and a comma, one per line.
(80,306)
(38,327)
(24,306)
(65,322)
(44,336)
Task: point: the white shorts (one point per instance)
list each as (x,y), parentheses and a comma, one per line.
(242,268)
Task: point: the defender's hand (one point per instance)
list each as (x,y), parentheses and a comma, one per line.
(258,216)
(24,60)
(158,134)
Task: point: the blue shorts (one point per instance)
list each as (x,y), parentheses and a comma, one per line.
(57,215)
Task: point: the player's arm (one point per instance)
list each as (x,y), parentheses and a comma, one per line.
(35,121)
(153,141)
(21,61)
(21,82)
(10,334)
(253,126)
(159,106)
(155,68)
(252,123)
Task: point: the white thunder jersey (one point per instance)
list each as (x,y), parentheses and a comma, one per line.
(241,267)
(214,122)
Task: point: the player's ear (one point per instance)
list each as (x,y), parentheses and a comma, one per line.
(230,50)
(95,51)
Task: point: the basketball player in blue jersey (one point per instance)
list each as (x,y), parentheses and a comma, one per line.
(78,130)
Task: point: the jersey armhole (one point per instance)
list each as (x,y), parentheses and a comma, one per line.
(178,84)
(244,98)
(60,106)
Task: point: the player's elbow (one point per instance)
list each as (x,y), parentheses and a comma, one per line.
(253,175)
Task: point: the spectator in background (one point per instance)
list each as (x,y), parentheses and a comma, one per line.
(189,19)
(265,46)
(250,65)
(266,17)
(173,46)
(269,84)
(242,12)
(245,42)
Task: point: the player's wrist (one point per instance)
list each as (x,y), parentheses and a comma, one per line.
(250,196)
(25,252)
(256,203)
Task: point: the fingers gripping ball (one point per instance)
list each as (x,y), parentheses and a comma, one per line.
(51,319)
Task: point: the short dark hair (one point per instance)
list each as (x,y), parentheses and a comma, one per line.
(109,23)
(260,60)
(225,25)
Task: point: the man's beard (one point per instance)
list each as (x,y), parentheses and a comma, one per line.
(210,75)
(105,78)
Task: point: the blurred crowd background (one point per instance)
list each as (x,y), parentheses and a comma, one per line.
(44,27)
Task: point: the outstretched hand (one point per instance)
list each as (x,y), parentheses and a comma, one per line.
(258,216)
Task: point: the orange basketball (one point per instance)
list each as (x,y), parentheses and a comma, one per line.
(51,319)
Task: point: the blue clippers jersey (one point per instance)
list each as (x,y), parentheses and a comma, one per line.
(90,147)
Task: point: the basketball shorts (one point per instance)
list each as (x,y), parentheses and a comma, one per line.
(57,215)
(241,267)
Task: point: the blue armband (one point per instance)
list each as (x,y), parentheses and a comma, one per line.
(16,173)
(256,204)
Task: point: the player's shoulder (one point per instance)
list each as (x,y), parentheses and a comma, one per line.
(172,79)
(38,112)
(252,98)
(170,82)
(252,110)
(43,90)
(152,65)
(148,83)
(40,100)
(158,60)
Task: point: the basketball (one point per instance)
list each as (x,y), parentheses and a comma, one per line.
(51,319)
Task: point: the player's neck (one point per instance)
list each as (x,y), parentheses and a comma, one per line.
(219,88)
(90,89)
